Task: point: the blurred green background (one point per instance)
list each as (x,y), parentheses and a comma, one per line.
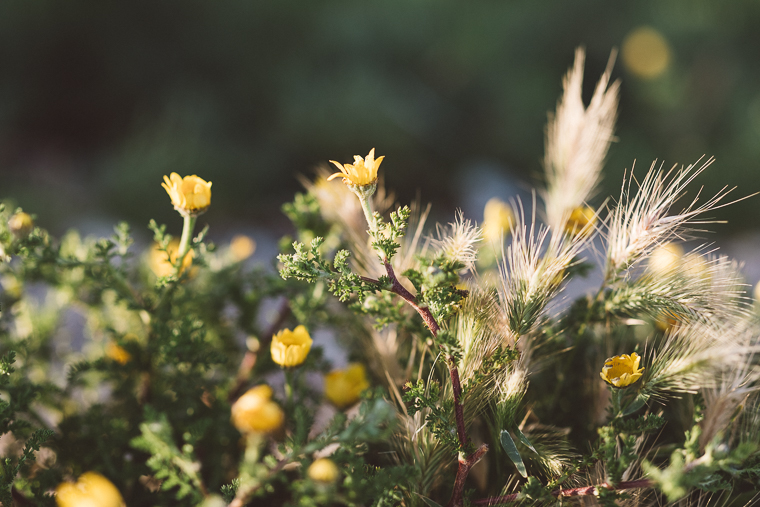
(98,100)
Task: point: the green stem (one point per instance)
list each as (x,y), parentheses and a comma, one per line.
(289,388)
(184,242)
(617,394)
(368,213)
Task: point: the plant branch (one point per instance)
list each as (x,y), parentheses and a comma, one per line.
(586,490)
(465,462)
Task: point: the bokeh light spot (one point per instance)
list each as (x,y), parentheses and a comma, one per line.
(646,53)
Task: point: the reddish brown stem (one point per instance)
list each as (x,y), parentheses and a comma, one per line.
(465,463)
(586,490)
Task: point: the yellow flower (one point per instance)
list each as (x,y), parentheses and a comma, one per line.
(255,412)
(91,490)
(118,354)
(162,266)
(21,224)
(497,219)
(290,348)
(579,221)
(323,470)
(343,387)
(665,258)
(622,371)
(362,172)
(242,247)
(190,195)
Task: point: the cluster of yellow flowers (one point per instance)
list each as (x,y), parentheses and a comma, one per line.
(255,412)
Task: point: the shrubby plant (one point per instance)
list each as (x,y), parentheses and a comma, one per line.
(158,377)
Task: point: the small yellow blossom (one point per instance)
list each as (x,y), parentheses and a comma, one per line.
(323,470)
(665,258)
(290,348)
(581,219)
(255,412)
(118,354)
(162,266)
(190,195)
(21,224)
(362,172)
(91,490)
(622,371)
(497,219)
(343,387)
(242,247)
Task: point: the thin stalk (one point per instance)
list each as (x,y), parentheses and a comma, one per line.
(184,242)
(368,212)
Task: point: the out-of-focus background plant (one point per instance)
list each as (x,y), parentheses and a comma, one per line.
(95,100)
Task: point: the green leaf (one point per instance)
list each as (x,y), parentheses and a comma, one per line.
(524,440)
(636,404)
(428,501)
(509,445)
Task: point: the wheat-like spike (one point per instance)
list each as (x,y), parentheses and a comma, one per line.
(532,270)
(641,219)
(458,241)
(577,141)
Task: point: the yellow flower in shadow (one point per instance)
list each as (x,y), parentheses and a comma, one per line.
(242,247)
(581,221)
(190,195)
(163,266)
(323,470)
(665,258)
(21,224)
(362,172)
(622,371)
(290,348)
(117,353)
(498,219)
(343,387)
(255,412)
(91,490)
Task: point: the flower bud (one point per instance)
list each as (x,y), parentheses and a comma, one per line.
(190,195)
(21,224)
(91,490)
(343,387)
(255,412)
(290,348)
(323,470)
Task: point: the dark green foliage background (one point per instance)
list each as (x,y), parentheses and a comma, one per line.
(99,99)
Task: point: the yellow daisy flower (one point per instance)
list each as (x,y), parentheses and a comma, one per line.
(255,412)
(91,490)
(362,172)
